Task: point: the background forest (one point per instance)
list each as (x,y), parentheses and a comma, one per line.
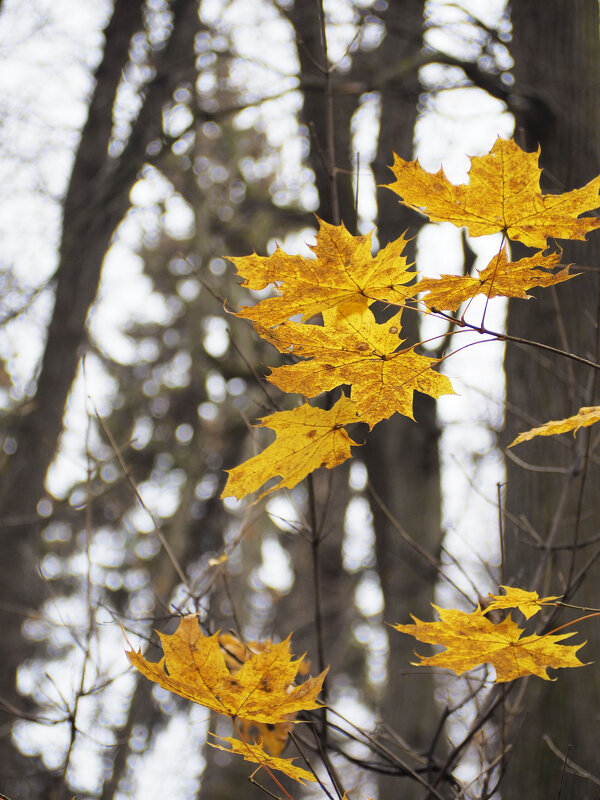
(142,142)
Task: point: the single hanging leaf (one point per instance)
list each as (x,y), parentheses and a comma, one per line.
(472,639)
(500,278)
(503,196)
(256,755)
(307,438)
(344,273)
(588,415)
(528,603)
(194,667)
(352,348)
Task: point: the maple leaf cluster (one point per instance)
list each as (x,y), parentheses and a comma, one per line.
(340,343)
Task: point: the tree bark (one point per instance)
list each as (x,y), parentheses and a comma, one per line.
(556,101)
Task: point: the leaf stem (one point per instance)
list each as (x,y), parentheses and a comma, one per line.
(572,622)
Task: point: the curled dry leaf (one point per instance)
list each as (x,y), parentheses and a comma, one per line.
(588,415)
(528,603)
(273,736)
(255,754)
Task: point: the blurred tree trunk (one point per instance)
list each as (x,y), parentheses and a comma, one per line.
(556,102)
(305,19)
(401,456)
(219,782)
(96,201)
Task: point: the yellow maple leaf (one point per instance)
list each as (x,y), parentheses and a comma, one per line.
(255,754)
(194,667)
(588,415)
(273,736)
(501,278)
(529,603)
(307,438)
(352,348)
(503,196)
(473,639)
(343,273)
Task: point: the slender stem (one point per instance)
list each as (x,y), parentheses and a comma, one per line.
(315,541)
(506,337)
(264,766)
(329,116)
(572,622)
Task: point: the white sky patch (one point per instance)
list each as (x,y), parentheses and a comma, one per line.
(358,476)
(276,569)
(368,595)
(283,513)
(216,337)
(359,535)
(180,744)
(365,127)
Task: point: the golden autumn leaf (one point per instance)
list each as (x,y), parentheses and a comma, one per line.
(528,603)
(342,273)
(307,438)
(194,667)
(273,736)
(503,196)
(256,755)
(472,639)
(352,348)
(588,415)
(501,278)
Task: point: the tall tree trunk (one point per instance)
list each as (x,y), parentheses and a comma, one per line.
(322,127)
(556,49)
(218,782)
(401,456)
(96,201)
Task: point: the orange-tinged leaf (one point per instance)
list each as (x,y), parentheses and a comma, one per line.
(529,603)
(194,667)
(503,195)
(352,348)
(255,754)
(344,273)
(307,438)
(273,736)
(500,278)
(473,639)
(588,415)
